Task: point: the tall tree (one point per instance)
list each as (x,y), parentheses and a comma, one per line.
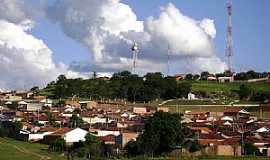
(163,133)
(75,121)
(183,89)
(244,91)
(204,75)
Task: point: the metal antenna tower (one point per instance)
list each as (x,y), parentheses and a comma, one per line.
(135,51)
(229,39)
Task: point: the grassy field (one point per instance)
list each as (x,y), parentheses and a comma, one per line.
(206,86)
(17,150)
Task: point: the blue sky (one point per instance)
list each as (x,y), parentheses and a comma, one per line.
(250,29)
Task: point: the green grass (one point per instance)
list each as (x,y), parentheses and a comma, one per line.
(194,102)
(17,150)
(182,109)
(208,86)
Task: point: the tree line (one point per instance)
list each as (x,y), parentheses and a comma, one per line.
(122,85)
(241,76)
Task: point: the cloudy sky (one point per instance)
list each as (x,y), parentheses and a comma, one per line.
(41,39)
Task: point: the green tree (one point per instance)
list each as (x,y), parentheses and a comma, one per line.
(183,89)
(3,132)
(94,75)
(75,121)
(90,149)
(34,89)
(250,149)
(169,88)
(51,118)
(133,148)
(189,77)
(163,133)
(58,145)
(204,75)
(196,77)
(153,85)
(61,87)
(244,91)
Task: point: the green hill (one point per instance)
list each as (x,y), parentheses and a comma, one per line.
(207,86)
(17,150)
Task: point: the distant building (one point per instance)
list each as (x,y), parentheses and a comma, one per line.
(93,120)
(191,96)
(225,79)
(125,137)
(88,104)
(163,109)
(14,98)
(236,113)
(211,77)
(180,77)
(47,102)
(69,135)
(140,110)
(73,102)
(32,107)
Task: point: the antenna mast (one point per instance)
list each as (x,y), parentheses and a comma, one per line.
(135,51)
(229,39)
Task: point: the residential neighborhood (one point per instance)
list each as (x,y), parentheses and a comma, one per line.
(219,133)
(134,80)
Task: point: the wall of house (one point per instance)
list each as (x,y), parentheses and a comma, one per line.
(126,137)
(38,136)
(75,135)
(228,150)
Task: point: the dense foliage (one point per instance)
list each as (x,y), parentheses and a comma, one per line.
(163,134)
(251,75)
(92,148)
(250,149)
(245,91)
(10,129)
(123,85)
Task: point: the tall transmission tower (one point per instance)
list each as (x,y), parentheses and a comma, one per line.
(229,38)
(135,51)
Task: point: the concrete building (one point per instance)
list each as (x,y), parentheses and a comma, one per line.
(125,137)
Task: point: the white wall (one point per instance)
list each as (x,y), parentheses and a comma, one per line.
(37,136)
(105,133)
(75,135)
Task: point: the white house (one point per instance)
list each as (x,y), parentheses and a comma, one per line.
(75,135)
(102,133)
(93,120)
(225,79)
(34,107)
(37,136)
(47,102)
(139,110)
(67,115)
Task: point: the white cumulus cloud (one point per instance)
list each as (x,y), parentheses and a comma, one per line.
(16,11)
(108,28)
(25,60)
